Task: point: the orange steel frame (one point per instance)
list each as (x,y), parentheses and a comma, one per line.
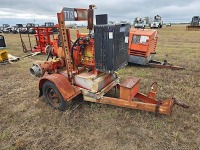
(42,38)
(128,88)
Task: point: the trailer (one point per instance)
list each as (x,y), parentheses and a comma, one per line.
(88,68)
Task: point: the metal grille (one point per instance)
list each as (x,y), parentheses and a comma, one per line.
(136,39)
(111,50)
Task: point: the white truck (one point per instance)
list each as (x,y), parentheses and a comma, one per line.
(139,23)
(157,22)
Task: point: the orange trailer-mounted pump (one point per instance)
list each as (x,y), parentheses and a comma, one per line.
(74,71)
(142,46)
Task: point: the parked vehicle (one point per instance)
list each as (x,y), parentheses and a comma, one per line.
(16,29)
(139,23)
(51,24)
(168,24)
(28,28)
(48,24)
(6,28)
(194,25)
(157,22)
(195,21)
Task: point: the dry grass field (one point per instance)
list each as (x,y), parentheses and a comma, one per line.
(27,122)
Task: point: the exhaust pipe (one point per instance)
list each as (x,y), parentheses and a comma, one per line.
(36,70)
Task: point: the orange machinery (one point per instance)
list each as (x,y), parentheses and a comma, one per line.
(142,45)
(74,71)
(43,38)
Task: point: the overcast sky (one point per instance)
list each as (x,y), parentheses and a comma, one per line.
(23,11)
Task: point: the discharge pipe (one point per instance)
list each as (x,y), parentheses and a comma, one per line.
(40,69)
(36,70)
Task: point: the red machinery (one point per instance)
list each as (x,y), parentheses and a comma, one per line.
(74,72)
(42,38)
(142,46)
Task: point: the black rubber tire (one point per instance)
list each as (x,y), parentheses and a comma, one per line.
(61,104)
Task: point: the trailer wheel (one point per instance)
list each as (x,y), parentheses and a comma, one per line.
(53,97)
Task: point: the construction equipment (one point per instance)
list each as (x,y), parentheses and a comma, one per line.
(6,28)
(194,25)
(3,52)
(3,56)
(31,28)
(42,38)
(87,67)
(51,24)
(28,28)
(48,24)
(16,28)
(6,58)
(24,47)
(142,46)
(31,51)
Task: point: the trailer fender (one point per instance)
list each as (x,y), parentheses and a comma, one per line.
(64,86)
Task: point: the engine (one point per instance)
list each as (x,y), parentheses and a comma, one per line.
(104,51)
(82,51)
(82,54)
